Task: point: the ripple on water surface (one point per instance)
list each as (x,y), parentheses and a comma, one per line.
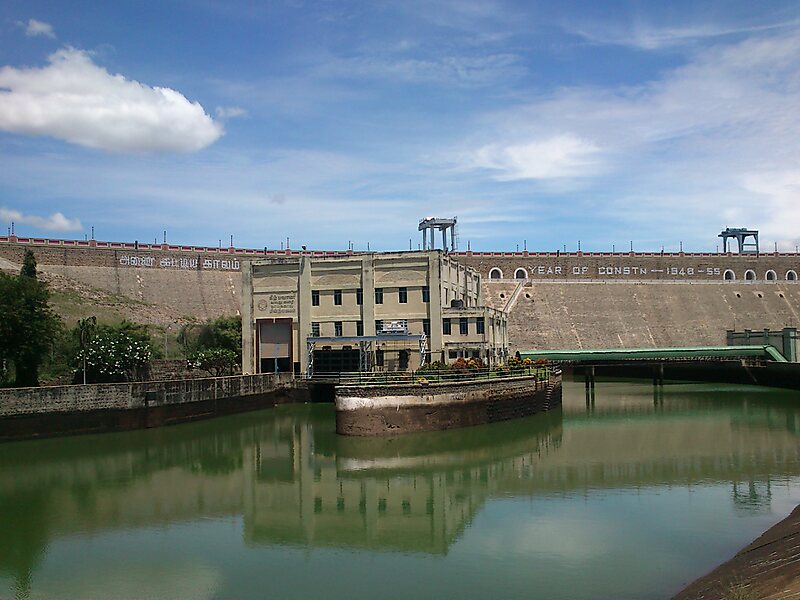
(629,496)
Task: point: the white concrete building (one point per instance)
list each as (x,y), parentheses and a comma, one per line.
(371,311)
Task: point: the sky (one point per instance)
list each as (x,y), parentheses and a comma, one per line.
(331,123)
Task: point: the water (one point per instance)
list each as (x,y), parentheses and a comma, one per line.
(631,497)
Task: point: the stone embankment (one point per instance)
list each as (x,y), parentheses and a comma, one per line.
(95,408)
(767,568)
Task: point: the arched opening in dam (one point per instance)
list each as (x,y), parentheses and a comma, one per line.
(749,275)
(770,275)
(495,273)
(729,275)
(791,275)
(520,273)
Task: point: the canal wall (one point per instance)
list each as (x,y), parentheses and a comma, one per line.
(95,408)
(397,409)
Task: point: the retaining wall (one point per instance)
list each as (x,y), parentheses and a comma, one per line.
(58,410)
(397,409)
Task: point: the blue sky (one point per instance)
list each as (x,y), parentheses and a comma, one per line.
(332,122)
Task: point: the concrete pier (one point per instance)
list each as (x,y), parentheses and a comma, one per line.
(395,409)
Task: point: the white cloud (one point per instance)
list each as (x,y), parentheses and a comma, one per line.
(445,70)
(558,156)
(716,137)
(230,112)
(35,28)
(646,37)
(55,222)
(77,101)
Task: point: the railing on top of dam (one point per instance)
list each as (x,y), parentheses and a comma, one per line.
(54,242)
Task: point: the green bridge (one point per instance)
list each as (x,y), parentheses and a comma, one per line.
(654,355)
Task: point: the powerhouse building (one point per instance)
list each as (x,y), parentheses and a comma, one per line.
(365,312)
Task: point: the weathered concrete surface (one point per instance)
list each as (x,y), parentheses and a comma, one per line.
(767,568)
(396,409)
(610,301)
(94,408)
(555,315)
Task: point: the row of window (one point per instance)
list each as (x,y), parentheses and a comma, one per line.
(463,326)
(402,296)
(447,327)
(770,275)
(749,275)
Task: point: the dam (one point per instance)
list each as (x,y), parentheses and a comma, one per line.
(553,299)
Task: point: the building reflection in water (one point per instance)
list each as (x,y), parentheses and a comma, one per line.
(295,482)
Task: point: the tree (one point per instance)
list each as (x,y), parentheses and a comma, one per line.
(28,326)
(28,265)
(215,361)
(220,333)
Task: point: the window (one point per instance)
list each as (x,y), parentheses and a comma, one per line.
(479,325)
(402,295)
(337,329)
(495,273)
(750,275)
(378,295)
(445,326)
(337,297)
(771,276)
(379,326)
(463,325)
(426,326)
(314,297)
(315,330)
(359,328)
(520,274)
(791,276)
(426,293)
(452,353)
(359,296)
(729,275)
(378,357)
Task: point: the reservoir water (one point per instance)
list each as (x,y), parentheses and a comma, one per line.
(631,496)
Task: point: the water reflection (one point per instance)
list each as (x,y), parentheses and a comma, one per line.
(295,483)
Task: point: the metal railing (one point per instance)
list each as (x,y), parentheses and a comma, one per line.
(431,377)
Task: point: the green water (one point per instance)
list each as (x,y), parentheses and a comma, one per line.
(631,497)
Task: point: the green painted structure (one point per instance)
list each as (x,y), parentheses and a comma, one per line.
(624,355)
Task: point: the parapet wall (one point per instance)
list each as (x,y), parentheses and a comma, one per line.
(95,408)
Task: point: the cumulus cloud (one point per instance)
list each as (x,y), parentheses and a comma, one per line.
(35,28)
(75,100)
(55,222)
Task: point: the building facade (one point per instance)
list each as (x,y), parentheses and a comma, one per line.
(372,311)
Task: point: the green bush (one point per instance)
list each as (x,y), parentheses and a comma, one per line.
(113,353)
(216,361)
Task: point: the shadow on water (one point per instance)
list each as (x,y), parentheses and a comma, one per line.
(295,482)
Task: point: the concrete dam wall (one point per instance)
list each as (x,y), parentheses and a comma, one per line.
(555,300)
